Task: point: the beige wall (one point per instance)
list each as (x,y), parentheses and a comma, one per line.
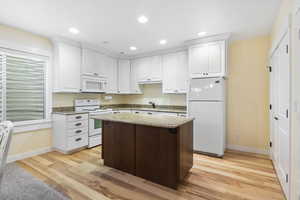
(28,141)
(247,106)
(16,37)
(153,92)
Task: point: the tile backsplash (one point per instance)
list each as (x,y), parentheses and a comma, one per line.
(152,92)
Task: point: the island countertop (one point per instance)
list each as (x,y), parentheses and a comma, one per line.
(140,119)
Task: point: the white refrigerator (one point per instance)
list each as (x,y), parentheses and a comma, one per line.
(206,101)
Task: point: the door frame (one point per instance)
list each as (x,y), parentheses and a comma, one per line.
(284,31)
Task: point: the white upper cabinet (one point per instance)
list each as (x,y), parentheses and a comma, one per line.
(124,77)
(93,63)
(208,60)
(112,75)
(148,69)
(134,84)
(67,62)
(175,72)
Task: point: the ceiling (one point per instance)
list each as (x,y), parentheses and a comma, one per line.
(115,21)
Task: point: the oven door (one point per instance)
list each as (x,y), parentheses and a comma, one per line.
(95,127)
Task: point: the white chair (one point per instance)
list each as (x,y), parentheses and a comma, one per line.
(6,128)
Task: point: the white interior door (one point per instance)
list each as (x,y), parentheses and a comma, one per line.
(280,130)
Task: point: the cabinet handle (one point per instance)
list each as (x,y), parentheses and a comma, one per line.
(96,74)
(276,118)
(78,117)
(149,113)
(78,124)
(78,139)
(78,131)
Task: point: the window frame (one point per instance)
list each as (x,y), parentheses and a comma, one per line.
(24,126)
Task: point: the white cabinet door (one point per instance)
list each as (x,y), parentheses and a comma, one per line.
(141,69)
(208,60)
(175,69)
(112,75)
(199,60)
(170,71)
(67,68)
(102,61)
(124,76)
(148,69)
(135,87)
(155,68)
(93,63)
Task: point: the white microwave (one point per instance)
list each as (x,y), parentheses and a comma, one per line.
(93,84)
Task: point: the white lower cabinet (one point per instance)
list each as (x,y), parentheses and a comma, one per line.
(70,132)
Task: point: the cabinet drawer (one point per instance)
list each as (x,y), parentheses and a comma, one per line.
(76,142)
(78,131)
(77,124)
(77,117)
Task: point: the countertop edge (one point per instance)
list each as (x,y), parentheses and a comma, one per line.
(190,119)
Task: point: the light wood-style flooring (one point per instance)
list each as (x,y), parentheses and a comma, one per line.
(82,176)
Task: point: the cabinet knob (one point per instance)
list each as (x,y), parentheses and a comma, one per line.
(78,139)
(78,131)
(78,124)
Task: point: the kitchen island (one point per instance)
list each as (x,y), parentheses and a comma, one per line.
(156,148)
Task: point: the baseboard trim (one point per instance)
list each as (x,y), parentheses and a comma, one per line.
(248,149)
(29,154)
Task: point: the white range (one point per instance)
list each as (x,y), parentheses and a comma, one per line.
(92,106)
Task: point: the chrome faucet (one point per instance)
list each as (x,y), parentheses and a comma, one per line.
(152,103)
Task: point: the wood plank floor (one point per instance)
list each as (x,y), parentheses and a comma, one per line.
(82,176)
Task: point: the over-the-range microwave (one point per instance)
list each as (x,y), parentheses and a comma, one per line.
(93,84)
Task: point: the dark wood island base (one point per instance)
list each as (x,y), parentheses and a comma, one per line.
(160,155)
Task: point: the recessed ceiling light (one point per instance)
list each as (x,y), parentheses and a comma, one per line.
(201,34)
(163,42)
(142,19)
(132,48)
(73,30)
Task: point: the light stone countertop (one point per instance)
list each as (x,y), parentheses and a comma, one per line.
(70,112)
(147,120)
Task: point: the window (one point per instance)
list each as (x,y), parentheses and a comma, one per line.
(22,87)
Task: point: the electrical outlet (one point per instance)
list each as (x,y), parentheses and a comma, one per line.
(108,97)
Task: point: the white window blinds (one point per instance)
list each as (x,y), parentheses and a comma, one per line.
(22,88)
